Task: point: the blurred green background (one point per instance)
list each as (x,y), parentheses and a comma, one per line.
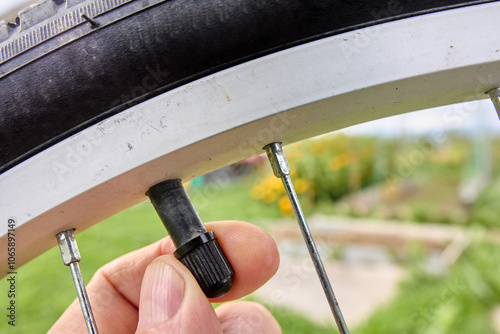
(450,179)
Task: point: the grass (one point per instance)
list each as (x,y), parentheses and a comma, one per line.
(485,211)
(45,288)
(44,285)
(459,302)
(232,201)
(292,322)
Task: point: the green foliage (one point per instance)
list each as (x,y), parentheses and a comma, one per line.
(292,322)
(459,302)
(227,201)
(336,165)
(45,287)
(327,168)
(485,210)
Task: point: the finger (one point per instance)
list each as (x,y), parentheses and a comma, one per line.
(117,316)
(172,302)
(252,252)
(114,290)
(246,317)
(247,247)
(113,310)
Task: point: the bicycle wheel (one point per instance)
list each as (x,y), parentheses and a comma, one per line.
(131,93)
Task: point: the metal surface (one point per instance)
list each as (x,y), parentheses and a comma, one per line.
(68,247)
(281,169)
(231,115)
(495,98)
(71,256)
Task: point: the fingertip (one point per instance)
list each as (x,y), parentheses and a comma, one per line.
(162,292)
(244,316)
(172,302)
(247,247)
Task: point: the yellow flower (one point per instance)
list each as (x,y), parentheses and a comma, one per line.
(301,185)
(317,147)
(351,157)
(268,190)
(256,192)
(294,152)
(335,163)
(268,197)
(285,206)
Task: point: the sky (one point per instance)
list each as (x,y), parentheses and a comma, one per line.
(470,117)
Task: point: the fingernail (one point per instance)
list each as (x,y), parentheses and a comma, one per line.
(162,293)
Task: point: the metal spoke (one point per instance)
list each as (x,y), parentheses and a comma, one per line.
(71,257)
(281,169)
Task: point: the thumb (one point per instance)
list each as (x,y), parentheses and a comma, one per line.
(172,302)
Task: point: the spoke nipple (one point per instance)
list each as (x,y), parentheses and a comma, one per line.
(495,98)
(71,256)
(278,160)
(67,245)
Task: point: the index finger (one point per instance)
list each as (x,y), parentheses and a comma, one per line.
(115,289)
(246,246)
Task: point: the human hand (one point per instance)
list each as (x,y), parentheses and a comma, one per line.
(149,291)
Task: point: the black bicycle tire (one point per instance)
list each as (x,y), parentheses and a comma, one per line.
(51,91)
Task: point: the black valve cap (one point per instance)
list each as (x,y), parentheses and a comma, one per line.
(197,249)
(208,264)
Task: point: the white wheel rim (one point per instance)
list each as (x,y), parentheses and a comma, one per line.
(322,86)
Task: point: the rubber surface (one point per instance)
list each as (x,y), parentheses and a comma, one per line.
(159,47)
